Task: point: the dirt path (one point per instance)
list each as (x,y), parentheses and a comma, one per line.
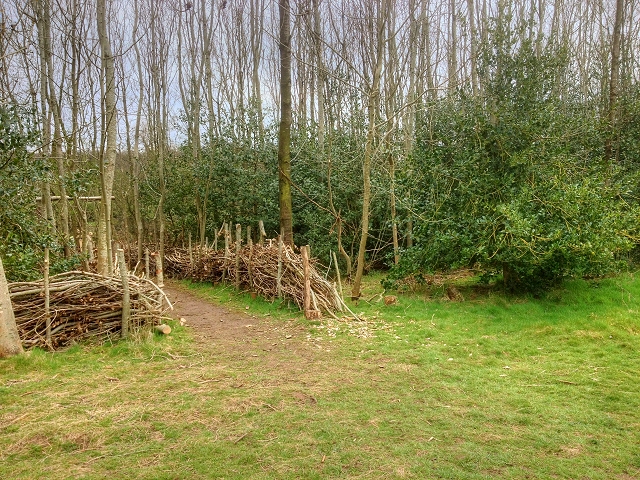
(239,333)
(272,352)
(208,320)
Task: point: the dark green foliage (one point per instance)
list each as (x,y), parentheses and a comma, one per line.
(23,233)
(240,178)
(19,175)
(628,129)
(241,181)
(515,180)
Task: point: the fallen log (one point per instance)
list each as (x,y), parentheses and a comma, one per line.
(164,329)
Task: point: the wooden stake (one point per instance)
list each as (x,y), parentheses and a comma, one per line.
(307,278)
(146,263)
(227,252)
(227,240)
(335,261)
(279,279)
(238,244)
(190,252)
(249,267)
(249,239)
(90,255)
(263,234)
(47,296)
(126,300)
(309,313)
(159,272)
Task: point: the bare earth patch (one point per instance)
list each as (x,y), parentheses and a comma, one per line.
(216,324)
(282,346)
(212,322)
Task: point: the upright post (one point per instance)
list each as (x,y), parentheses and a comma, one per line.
(146,263)
(250,245)
(263,234)
(47,294)
(249,269)
(90,255)
(159,276)
(335,261)
(227,238)
(279,279)
(227,252)
(307,280)
(309,313)
(238,242)
(190,252)
(126,299)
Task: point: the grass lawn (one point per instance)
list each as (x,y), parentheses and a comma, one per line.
(486,388)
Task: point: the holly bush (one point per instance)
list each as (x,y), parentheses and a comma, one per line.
(516,180)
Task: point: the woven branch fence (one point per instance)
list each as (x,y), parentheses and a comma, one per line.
(82,307)
(269,270)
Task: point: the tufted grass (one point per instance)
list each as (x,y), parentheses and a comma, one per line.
(494,387)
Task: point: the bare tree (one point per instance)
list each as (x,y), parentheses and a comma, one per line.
(107,157)
(284,134)
(373,94)
(615,75)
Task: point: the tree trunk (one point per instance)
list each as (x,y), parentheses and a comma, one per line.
(45,150)
(320,74)
(54,108)
(108,148)
(10,343)
(257,22)
(453,51)
(284,135)
(135,157)
(615,79)
(473,47)
(391,88)
(373,94)
(158,115)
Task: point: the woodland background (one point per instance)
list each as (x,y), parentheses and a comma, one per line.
(426,135)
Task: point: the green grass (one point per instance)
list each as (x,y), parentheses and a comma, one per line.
(496,387)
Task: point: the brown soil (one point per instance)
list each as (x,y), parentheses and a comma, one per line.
(257,349)
(209,321)
(235,331)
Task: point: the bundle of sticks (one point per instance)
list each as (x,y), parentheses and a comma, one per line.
(83,306)
(257,272)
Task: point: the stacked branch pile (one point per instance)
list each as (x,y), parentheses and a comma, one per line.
(83,306)
(257,272)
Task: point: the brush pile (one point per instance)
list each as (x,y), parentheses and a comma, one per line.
(83,306)
(257,272)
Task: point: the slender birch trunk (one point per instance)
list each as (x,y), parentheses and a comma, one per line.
(107,155)
(373,98)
